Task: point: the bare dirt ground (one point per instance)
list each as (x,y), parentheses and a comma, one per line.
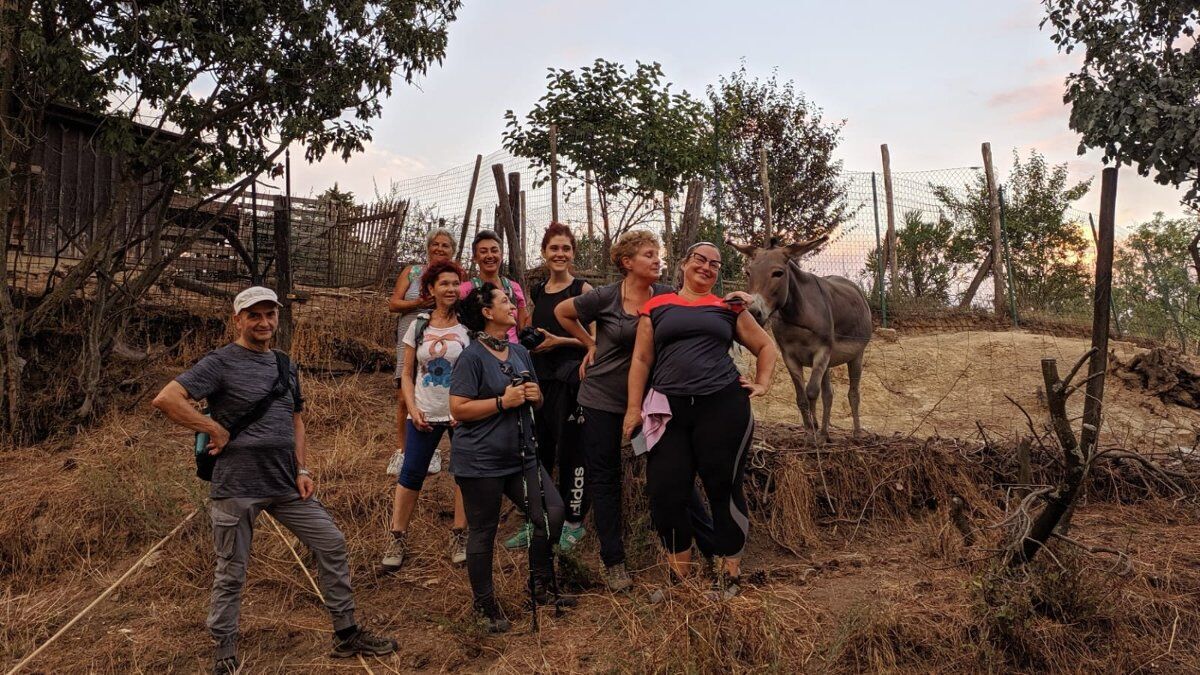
(942,384)
(881,582)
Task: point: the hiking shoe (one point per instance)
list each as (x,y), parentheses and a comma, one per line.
(521,538)
(362,642)
(229,665)
(435,463)
(393,558)
(617,578)
(725,587)
(543,593)
(571,535)
(397,461)
(458,545)
(492,617)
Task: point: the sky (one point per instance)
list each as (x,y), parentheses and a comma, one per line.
(932,79)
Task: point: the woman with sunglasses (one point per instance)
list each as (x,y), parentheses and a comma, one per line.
(683,352)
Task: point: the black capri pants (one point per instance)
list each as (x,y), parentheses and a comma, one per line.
(710,436)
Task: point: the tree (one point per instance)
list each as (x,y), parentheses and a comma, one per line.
(1047,249)
(930,257)
(197,99)
(1135,94)
(808,197)
(1155,291)
(635,137)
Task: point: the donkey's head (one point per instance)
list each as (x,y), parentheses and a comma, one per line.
(767,272)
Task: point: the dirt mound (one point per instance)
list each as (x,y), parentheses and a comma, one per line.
(942,384)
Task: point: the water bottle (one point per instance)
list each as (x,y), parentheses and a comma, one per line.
(202,438)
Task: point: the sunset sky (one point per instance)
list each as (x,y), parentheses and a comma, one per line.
(932,79)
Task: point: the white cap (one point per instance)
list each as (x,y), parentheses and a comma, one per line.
(252,296)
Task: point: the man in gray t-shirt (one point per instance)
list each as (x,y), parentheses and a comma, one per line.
(260,469)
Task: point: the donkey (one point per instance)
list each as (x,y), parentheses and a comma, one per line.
(818,322)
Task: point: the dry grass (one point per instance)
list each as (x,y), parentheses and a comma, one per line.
(853,565)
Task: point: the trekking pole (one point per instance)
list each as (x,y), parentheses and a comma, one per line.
(516,382)
(526,376)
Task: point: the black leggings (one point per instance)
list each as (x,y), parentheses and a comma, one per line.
(557,427)
(602,449)
(707,435)
(481,501)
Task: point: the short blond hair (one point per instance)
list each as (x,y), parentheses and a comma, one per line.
(629,244)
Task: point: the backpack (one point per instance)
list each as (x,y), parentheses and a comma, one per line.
(477,283)
(419,327)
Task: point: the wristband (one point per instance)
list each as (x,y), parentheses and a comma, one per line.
(499,404)
(304,472)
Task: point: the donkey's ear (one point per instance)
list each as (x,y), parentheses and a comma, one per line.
(801,247)
(748,250)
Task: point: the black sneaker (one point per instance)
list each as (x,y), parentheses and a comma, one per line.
(545,597)
(230,665)
(362,642)
(492,617)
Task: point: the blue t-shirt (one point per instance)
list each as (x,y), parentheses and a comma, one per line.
(490,447)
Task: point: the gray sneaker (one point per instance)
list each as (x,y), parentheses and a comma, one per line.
(393,558)
(458,545)
(227,666)
(616,577)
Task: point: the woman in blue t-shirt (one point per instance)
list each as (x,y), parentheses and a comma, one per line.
(682,353)
(493,389)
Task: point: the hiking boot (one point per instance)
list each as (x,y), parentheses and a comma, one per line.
(393,558)
(435,463)
(362,642)
(492,617)
(458,545)
(571,535)
(617,578)
(543,593)
(521,538)
(229,665)
(725,587)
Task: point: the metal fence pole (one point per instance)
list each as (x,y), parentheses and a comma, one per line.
(1012,296)
(879,252)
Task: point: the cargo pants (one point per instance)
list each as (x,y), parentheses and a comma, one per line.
(233,529)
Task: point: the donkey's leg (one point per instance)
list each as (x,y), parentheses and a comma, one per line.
(798,382)
(826,403)
(813,389)
(856,367)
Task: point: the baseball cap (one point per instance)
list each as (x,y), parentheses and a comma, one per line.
(252,296)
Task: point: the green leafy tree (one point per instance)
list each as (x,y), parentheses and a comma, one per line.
(808,197)
(197,97)
(1155,290)
(1047,249)
(628,131)
(930,259)
(1135,93)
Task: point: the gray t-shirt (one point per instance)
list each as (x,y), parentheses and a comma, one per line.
(606,385)
(261,461)
(489,447)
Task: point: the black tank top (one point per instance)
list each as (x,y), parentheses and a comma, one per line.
(560,364)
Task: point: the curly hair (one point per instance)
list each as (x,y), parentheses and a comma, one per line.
(430,276)
(557,230)
(470,308)
(629,244)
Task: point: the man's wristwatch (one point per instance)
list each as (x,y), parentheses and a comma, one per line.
(304,472)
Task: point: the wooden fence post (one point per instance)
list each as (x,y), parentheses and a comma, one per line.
(997,250)
(587,198)
(507,220)
(554,173)
(667,217)
(768,222)
(889,197)
(462,236)
(524,225)
(1101,306)
(689,228)
(283,272)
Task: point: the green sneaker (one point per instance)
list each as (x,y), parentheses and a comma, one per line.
(571,535)
(521,538)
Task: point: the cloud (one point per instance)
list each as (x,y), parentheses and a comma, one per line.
(365,174)
(1032,102)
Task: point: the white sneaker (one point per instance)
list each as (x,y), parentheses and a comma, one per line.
(435,463)
(397,461)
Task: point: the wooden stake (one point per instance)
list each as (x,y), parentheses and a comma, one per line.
(283,272)
(1101,306)
(524,225)
(667,217)
(462,237)
(587,197)
(507,218)
(768,224)
(888,196)
(554,173)
(994,212)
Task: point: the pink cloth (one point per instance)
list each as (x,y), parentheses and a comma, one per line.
(656,412)
(518,300)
